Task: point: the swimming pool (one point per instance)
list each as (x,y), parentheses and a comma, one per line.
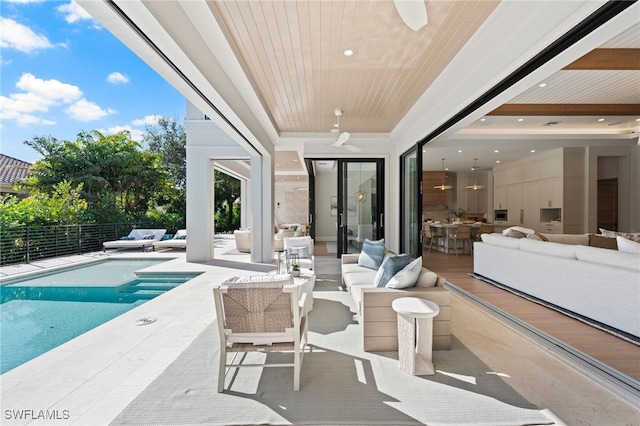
(40,313)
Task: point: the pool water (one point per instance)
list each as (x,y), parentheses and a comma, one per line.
(40,313)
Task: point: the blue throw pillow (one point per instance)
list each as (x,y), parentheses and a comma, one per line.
(391,266)
(302,252)
(127,238)
(149,237)
(181,237)
(372,254)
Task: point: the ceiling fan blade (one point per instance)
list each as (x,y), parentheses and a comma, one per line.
(352,148)
(344,136)
(412,12)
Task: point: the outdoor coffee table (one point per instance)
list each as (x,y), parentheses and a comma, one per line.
(415,334)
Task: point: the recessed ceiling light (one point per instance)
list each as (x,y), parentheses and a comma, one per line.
(637,119)
(600,119)
(542,85)
(520,119)
(497,161)
(496,151)
(483,119)
(459,150)
(533,150)
(348,52)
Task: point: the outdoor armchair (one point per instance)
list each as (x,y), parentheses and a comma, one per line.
(260,314)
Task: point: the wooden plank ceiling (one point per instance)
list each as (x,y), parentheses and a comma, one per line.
(293,52)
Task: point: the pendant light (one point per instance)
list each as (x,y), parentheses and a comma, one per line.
(475,185)
(443,187)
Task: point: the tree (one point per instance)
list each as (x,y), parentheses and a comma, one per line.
(227,193)
(63,205)
(117,176)
(168,139)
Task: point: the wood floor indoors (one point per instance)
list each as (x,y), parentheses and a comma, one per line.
(606,348)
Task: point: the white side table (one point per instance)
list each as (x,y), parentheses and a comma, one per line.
(415,334)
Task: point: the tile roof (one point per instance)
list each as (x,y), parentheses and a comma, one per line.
(12,169)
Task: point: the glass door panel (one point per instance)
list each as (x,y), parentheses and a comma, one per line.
(359,204)
(409,208)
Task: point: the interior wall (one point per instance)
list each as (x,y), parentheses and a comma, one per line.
(291,203)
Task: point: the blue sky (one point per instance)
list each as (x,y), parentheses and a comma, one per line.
(62,73)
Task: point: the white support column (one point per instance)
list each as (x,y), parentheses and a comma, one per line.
(245,202)
(200,204)
(261,194)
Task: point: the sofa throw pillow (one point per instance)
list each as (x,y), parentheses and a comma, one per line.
(149,237)
(602,242)
(427,278)
(633,236)
(127,238)
(408,276)
(180,237)
(391,266)
(372,254)
(627,246)
(537,236)
(302,252)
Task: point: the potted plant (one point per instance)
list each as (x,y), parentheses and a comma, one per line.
(458,213)
(295,269)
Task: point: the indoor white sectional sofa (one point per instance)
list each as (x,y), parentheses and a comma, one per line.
(374,311)
(597,284)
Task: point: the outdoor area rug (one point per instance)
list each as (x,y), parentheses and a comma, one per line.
(340,384)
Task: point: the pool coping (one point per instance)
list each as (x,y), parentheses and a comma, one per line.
(92,378)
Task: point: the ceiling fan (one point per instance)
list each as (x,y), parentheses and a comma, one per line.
(412,12)
(342,137)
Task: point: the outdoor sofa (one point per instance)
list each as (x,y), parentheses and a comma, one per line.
(373,305)
(137,238)
(179,240)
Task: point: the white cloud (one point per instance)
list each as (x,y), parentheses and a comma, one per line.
(37,96)
(73,12)
(117,78)
(84,110)
(50,90)
(20,37)
(136,134)
(149,119)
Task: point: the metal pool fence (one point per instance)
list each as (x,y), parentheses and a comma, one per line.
(26,244)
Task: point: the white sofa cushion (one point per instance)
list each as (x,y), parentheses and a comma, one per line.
(612,258)
(550,249)
(627,246)
(500,240)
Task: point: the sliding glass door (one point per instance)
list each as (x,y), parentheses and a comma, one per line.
(410,204)
(360,206)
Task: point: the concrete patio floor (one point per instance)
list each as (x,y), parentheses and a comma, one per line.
(92,378)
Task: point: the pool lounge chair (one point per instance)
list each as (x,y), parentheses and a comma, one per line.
(137,238)
(179,240)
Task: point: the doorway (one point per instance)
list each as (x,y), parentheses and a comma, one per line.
(347,205)
(608,204)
